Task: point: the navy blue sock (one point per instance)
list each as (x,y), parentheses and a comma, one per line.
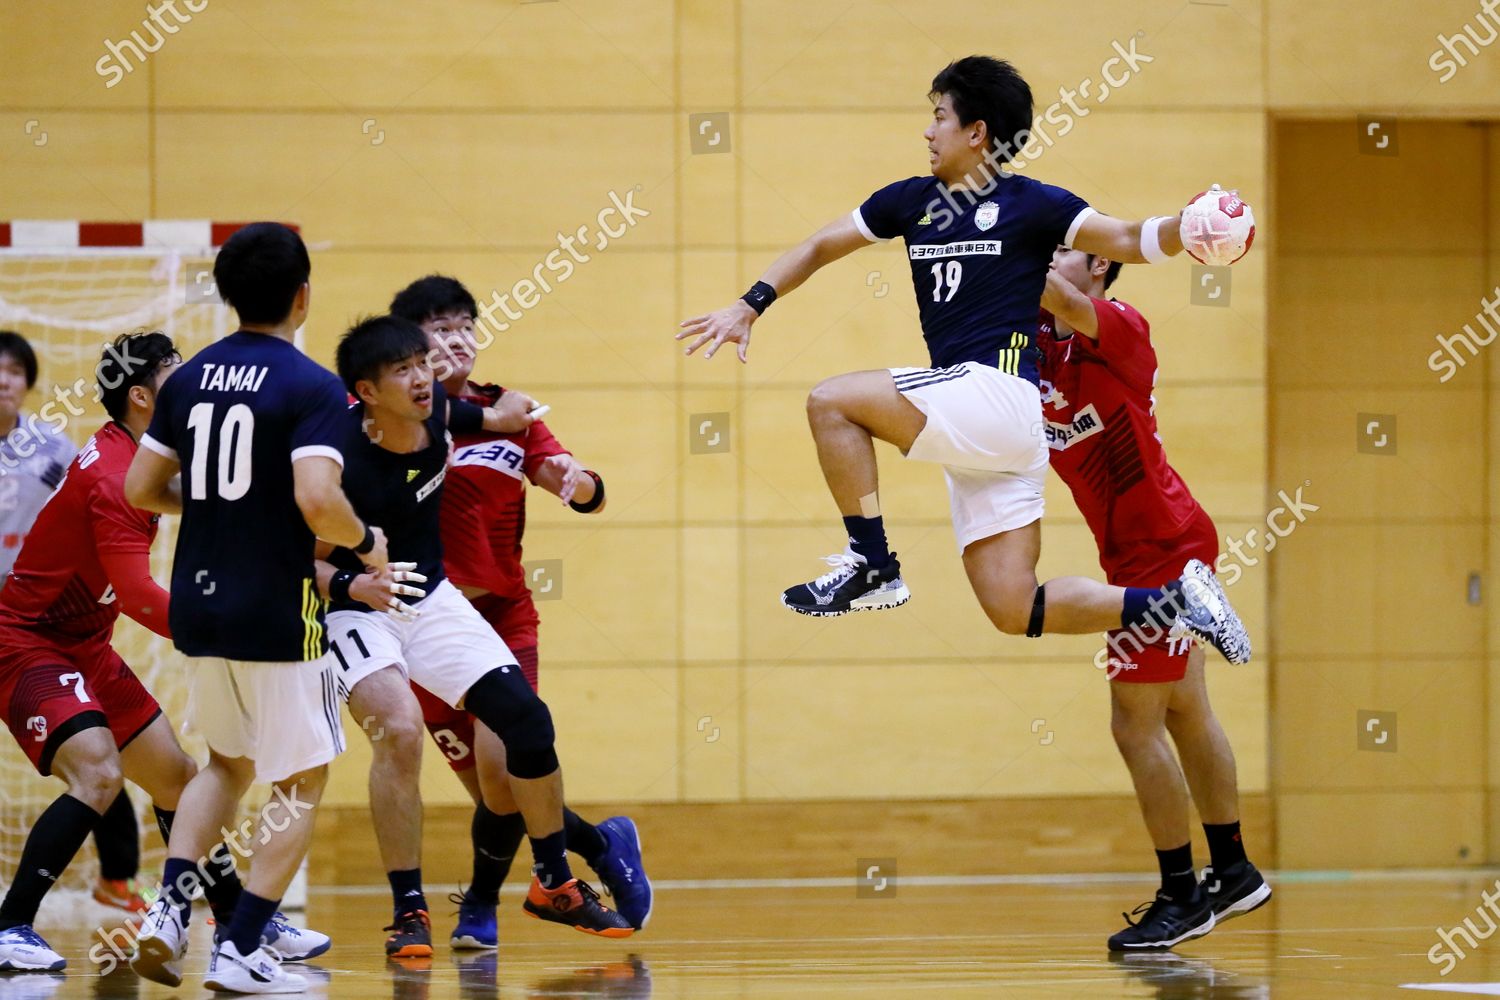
(550,855)
(251,915)
(867,538)
(406,891)
(1148,606)
(173,884)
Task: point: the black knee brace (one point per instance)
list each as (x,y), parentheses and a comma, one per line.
(1038,613)
(502,700)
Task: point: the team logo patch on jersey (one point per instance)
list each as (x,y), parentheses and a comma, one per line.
(502,456)
(1085,425)
(431,484)
(986,215)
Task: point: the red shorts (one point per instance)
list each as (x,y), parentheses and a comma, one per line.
(1153,564)
(51,688)
(453,728)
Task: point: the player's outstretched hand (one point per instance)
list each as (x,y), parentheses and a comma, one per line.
(383,589)
(514,412)
(569,474)
(728,325)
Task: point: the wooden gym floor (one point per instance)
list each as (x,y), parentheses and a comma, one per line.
(1336,936)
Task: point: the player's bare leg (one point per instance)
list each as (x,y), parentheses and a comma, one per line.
(846,414)
(387,711)
(1233,884)
(286,833)
(156,761)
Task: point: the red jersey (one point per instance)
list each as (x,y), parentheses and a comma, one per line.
(1101,430)
(484,501)
(87,557)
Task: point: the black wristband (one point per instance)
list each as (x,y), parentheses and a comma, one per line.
(367,543)
(759,297)
(595,501)
(338,587)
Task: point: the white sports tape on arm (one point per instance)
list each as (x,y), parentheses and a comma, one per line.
(1150,245)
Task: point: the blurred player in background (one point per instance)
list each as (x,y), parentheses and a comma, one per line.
(483,519)
(34,454)
(1098,373)
(980,241)
(397,447)
(254,427)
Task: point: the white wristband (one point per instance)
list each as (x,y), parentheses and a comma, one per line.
(1150,246)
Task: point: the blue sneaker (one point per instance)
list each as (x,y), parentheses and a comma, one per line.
(290,943)
(476,930)
(621,870)
(23,950)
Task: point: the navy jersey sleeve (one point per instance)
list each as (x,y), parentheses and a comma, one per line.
(464,417)
(161,437)
(318,421)
(1058,212)
(886,213)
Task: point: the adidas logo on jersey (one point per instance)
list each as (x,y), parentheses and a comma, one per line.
(411,474)
(925,220)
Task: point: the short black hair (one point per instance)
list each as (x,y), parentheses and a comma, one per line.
(259,269)
(374,342)
(133,359)
(434,295)
(987,89)
(1111,273)
(19,347)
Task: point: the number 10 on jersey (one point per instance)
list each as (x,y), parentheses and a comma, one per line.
(235,436)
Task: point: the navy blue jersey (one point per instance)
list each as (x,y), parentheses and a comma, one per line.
(978,264)
(401,493)
(237,415)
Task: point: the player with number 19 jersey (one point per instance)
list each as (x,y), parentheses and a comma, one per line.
(236,416)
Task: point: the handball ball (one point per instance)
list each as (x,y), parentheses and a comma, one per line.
(1217,227)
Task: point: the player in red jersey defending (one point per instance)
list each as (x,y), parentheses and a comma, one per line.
(483,519)
(1098,371)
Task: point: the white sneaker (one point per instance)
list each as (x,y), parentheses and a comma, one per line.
(289,943)
(256,972)
(23,950)
(161,944)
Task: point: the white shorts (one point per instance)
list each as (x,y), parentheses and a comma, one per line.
(283,716)
(985,429)
(446,649)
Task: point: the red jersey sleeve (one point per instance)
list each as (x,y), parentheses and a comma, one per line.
(117,526)
(139,596)
(1125,343)
(540,446)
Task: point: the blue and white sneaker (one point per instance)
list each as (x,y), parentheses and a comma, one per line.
(1208,615)
(477,929)
(290,943)
(849,586)
(23,950)
(159,947)
(621,871)
(258,972)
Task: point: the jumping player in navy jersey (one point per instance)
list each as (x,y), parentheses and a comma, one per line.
(979,252)
(396,445)
(254,427)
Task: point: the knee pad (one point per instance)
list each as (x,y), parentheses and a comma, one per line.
(502,700)
(1038,613)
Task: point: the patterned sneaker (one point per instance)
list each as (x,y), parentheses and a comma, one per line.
(477,928)
(849,586)
(1208,615)
(162,943)
(621,872)
(257,972)
(1238,890)
(577,905)
(1165,924)
(411,936)
(120,894)
(23,950)
(290,943)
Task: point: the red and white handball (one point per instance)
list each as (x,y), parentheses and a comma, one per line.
(1217,227)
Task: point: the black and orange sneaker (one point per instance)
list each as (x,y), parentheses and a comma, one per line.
(576,904)
(411,936)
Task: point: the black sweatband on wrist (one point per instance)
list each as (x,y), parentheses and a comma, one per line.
(338,587)
(759,297)
(367,543)
(596,500)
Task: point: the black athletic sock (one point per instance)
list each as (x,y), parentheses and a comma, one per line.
(249,921)
(1225,848)
(496,839)
(50,846)
(406,891)
(1149,606)
(550,854)
(177,880)
(118,840)
(220,882)
(584,838)
(867,538)
(1178,880)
